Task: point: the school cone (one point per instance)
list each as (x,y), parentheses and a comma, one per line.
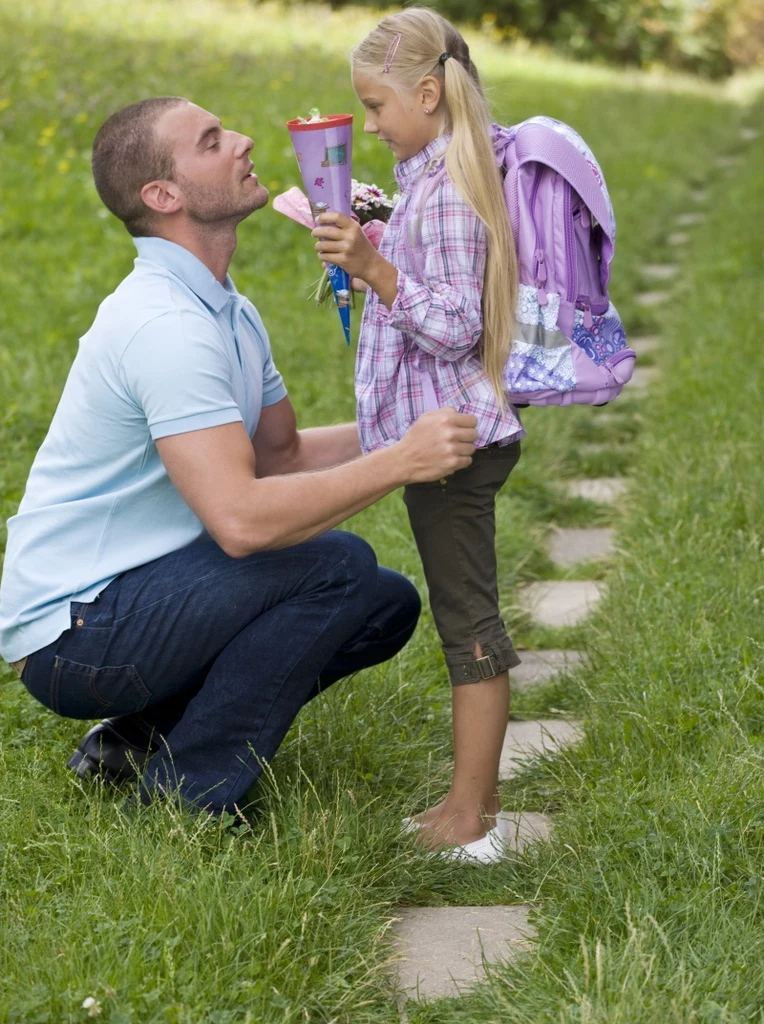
(324,152)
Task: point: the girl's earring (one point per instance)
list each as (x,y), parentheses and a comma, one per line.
(427,110)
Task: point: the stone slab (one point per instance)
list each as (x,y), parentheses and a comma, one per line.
(605,490)
(687,220)
(659,271)
(656,298)
(591,449)
(569,545)
(525,741)
(726,161)
(645,345)
(441,949)
(540,666)
(749,134)
(678,238)
(524,828)
(559,603)
(642,377)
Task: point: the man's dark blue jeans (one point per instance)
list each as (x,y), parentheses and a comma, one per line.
(216,655)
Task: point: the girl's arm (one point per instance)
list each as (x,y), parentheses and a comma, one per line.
(443,316)
(440,308)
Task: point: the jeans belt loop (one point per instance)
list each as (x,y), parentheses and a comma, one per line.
(491,670)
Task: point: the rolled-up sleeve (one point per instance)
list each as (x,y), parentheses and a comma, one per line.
(442,313)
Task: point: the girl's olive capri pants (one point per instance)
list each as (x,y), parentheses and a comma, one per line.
(454,524)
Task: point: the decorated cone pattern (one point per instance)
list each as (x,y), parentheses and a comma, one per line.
(324,152)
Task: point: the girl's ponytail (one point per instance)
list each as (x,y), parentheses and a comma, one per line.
(421,37)
(471,165)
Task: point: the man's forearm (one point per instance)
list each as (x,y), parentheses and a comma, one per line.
(322,447)
(311,449)
(279,511)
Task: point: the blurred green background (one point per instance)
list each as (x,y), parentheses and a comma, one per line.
(709,37)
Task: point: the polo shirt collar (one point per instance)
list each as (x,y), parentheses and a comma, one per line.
(191,271)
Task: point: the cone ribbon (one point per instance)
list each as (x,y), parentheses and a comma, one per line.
(324,152)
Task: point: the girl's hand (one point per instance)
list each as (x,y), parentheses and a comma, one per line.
(341,241)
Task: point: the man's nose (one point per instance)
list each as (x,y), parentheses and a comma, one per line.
(244,145)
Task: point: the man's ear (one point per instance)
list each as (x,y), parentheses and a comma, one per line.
(430,93)
(162,196)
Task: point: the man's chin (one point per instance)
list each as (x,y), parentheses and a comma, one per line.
(262,196)
(258,199)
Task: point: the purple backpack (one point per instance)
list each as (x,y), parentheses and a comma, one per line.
(569,345)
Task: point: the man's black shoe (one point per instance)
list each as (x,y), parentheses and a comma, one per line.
(104,751)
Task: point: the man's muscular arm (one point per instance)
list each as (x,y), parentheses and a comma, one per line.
(216,472)
(281,448)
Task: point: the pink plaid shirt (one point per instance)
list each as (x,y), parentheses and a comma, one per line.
(438,324)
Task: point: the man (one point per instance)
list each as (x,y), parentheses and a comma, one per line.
(173,562)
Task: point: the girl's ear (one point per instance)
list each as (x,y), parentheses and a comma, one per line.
(430,93)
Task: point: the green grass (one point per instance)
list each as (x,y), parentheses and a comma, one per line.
(648,899)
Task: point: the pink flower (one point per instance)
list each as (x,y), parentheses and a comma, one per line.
(294,203)
(374,230)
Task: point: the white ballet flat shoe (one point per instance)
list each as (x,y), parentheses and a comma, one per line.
(488,850)
(410,825)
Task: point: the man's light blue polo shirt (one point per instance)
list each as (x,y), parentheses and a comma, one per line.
(171,350)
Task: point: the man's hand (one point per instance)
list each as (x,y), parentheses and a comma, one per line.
(216,472)
(439,443)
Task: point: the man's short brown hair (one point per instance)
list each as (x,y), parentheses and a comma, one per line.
(127,155)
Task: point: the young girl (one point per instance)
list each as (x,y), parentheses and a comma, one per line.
(438,318)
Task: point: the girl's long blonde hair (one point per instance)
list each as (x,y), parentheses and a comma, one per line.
(470,161)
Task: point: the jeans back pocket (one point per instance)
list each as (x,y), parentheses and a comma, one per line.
(83,691)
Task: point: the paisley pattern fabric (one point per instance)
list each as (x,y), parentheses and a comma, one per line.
(603,339)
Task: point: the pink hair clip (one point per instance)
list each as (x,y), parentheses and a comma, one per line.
(391,53)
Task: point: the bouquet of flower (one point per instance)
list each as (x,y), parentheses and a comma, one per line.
(369,204)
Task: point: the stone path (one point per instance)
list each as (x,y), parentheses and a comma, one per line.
(524,828)
(605,490)
(442,949)
(643,346)
(642,377)
(688,220)
(526,740)
(569,545)
(594,448)
(562,602)
(541,666)
(727,161)
(659,271)
(656,298)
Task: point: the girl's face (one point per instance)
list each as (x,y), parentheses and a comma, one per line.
(396,118)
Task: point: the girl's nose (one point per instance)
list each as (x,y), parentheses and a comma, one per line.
(370,125)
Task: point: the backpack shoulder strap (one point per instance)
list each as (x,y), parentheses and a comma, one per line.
(540,143)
